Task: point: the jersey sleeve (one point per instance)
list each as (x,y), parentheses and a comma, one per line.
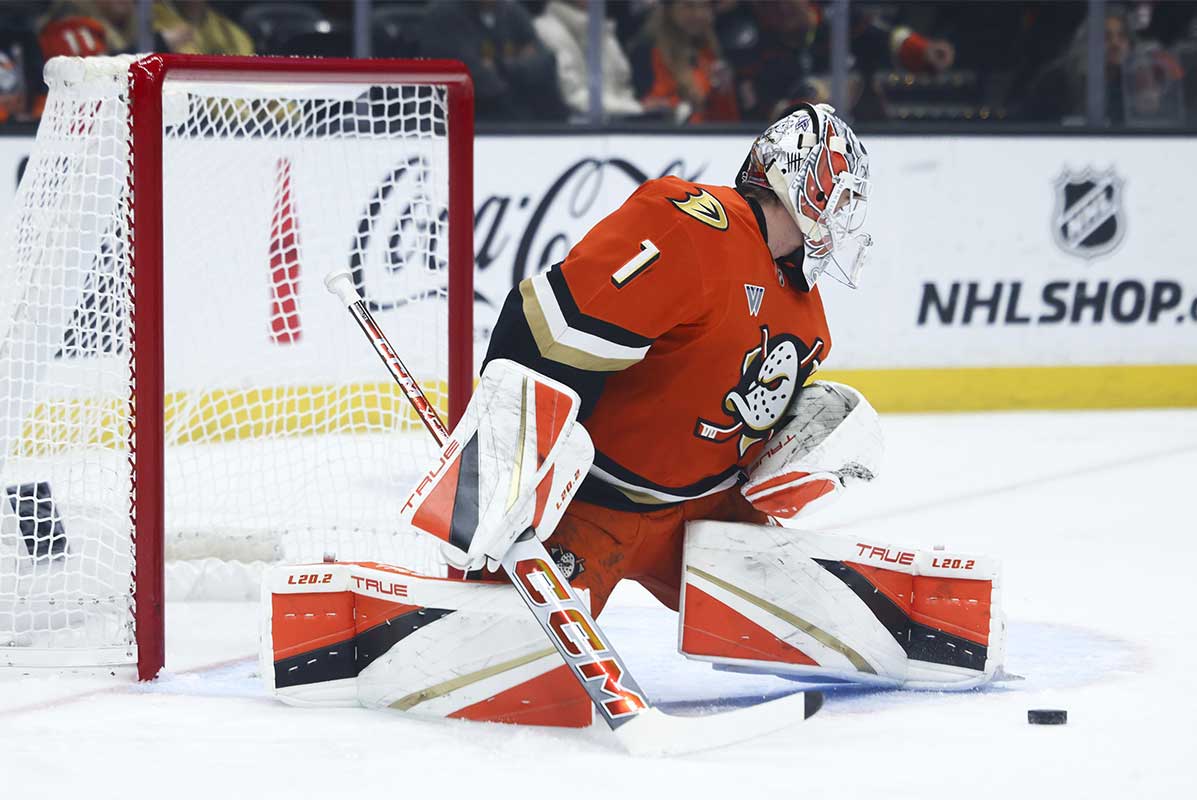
(634,277)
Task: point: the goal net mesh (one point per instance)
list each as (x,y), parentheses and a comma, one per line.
(284,438)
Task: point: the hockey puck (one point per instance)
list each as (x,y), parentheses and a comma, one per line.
(1047,716)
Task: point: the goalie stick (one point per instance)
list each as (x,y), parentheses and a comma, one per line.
(640,728)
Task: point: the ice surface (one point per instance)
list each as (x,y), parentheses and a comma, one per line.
(1091,514)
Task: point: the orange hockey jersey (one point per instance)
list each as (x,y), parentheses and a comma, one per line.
(673,322)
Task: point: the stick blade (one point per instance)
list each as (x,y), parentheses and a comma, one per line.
(655,733)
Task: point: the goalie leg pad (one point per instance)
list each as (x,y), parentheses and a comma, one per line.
(808,605)
(350,634)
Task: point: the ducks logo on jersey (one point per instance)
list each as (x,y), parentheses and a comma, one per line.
(770,377)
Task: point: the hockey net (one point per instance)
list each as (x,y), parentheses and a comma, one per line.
(281,437)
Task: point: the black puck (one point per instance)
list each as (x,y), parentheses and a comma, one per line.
(1047,716)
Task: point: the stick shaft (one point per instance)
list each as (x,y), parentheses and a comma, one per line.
(567,621)
(411,389)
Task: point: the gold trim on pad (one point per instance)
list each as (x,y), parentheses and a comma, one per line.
(815,632)
(441,689)
(518,472)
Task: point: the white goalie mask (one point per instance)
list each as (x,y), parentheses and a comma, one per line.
(813,162)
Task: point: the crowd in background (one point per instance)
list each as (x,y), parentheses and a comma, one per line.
(679,61)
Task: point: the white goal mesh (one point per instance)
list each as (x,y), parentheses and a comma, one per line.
(284,439)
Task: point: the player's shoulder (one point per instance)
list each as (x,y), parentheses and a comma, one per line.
(699,207)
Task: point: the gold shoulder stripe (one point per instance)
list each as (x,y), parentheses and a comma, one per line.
(704,208)
(554,350)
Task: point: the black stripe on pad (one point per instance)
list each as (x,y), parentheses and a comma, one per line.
(465,503)
(348,658)
(578,320)
(920,642)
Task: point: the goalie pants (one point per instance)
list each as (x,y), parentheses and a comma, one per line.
(597,547)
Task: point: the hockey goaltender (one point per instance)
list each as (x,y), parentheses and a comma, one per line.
(647,408)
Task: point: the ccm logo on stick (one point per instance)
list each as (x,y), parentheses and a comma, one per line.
(621,701)
(541,583)
(580,642)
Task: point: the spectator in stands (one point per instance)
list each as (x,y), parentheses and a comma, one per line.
(1059,92)
(193,26)
(1002,46)
(1168,23)
(884,41)
(677,63)
(563,27)
(109,27)
(515,76)
(777,50)
(900,46)
(12,88)
(780,50)
(89,28)
(22,93)
(1157,75)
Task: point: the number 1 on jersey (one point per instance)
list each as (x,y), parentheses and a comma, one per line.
(637,264)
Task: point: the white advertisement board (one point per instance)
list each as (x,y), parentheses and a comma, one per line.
(990,251)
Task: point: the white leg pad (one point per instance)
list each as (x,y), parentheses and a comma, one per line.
(350,634)
(809,605)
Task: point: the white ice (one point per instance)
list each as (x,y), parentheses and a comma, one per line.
(1091,514)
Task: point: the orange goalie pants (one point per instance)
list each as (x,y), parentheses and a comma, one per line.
(607,546)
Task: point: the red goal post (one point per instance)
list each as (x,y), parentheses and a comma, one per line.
(148,259)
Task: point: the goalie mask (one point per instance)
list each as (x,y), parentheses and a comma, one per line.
(813,162)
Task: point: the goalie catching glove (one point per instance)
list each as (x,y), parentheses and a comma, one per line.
(832,439)
(513,462)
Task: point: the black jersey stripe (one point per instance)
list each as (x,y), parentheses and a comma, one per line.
(512,339)
(611,467)
(599,492)
(570,345)
(580,321)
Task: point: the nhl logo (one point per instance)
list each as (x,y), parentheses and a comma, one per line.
(1088,220)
